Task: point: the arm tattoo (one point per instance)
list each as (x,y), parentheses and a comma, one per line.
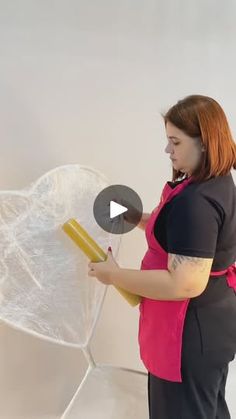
(177,260)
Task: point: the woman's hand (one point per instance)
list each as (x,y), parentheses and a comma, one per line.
(133,215)
(144,220)
(103,270)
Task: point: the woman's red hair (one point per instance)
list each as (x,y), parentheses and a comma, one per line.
(201,116)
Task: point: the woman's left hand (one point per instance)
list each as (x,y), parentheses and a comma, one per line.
(103,270)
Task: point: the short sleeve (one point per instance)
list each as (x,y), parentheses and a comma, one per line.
(193,226)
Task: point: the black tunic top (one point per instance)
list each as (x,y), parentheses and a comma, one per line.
(201,222)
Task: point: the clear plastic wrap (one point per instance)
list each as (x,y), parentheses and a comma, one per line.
(44,285)
(45,289)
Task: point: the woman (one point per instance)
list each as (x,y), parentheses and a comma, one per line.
(187,329)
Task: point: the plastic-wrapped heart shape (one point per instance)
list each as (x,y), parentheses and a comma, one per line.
(44,284)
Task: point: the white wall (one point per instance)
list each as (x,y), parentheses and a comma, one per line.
(85,82)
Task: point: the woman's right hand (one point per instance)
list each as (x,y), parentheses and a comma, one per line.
(143,222)
(134,216)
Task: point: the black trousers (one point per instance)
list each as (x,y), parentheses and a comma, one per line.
(201,394)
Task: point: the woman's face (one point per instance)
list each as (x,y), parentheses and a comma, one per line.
(185,152)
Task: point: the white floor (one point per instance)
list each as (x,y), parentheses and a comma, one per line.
(231,390)
(115,381)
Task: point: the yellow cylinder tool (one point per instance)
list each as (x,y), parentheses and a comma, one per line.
(94,252)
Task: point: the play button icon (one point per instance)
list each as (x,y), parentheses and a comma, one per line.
(117,209)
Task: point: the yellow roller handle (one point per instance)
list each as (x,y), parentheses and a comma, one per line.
(94,252)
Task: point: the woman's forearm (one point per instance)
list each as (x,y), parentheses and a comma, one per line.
(154,284)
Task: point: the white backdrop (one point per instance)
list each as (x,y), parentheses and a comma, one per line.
(85,82)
